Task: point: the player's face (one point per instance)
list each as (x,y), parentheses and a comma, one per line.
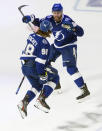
(57,15)
(35,28)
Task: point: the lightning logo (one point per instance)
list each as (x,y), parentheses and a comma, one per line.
(59,35)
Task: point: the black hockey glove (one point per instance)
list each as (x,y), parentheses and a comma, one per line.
(43,78)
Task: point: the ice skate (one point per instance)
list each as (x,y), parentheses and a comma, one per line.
(41,103)
(22,106)
(58,89)
(85,93)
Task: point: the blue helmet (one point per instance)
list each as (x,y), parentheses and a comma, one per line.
(57,7)
(45,26)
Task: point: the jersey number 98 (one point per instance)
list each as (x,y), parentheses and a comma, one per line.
(29,49)
(44,51)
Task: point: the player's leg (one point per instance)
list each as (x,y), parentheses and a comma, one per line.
(58,88)
(69,60)
(30,95)
(53,80)
(78,79)
(54,54)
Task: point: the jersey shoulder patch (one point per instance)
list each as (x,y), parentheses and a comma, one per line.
(67,18)
(44,41)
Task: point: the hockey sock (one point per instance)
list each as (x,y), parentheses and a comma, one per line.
(48,88)
(30,95)
(76,76)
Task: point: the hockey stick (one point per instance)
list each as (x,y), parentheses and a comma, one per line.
(20,85)
(19,8)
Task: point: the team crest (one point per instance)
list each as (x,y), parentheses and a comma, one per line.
(59,35)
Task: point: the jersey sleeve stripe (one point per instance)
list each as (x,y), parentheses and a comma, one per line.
(39,60)
(24,55)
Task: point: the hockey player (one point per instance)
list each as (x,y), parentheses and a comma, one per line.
(65,31)
(42,77)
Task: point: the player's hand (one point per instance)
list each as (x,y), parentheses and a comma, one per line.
(28,18)
(69,25)
(43,78)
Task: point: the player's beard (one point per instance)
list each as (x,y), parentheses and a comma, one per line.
(58,18)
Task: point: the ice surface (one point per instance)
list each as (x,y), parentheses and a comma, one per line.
(66,113)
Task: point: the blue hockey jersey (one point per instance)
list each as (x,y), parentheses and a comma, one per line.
(65,32)
(37,50)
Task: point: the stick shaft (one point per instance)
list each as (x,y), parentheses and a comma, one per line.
(20,85)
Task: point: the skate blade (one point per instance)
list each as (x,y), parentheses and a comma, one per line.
(84,99)
(21,112)
(45,110)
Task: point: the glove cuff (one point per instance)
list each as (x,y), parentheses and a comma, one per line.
(32,17)
(74,24)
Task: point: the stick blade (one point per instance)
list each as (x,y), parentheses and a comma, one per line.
(19,8)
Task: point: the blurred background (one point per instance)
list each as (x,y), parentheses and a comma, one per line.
(66,114)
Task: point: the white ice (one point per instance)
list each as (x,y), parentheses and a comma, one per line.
(66,113)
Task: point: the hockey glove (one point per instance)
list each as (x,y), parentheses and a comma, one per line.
(69,25)
(28,18)
(43,78)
